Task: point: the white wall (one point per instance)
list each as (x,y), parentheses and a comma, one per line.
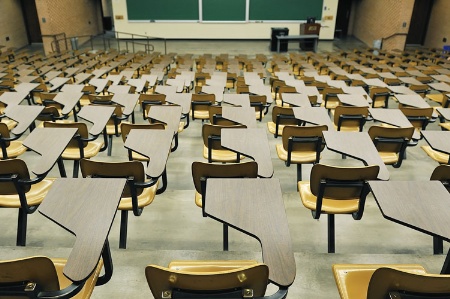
(197,30)
(328,23)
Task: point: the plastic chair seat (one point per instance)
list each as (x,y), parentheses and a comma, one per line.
(91,150)
(446,126)
(9,123)
(329,206)
(388,158)
(435,155)
(15,149)
(201,114)
(34,196)
(436,97)
(221,155)
(147,196)
(352,280)
(347,129)
(296,157)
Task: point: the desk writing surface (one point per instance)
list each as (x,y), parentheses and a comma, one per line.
(256,207)
(438,140)
(51,75)
(155,145)
(353,100)
(12,98)
(216,90)
(394,117)
(413,100)
(242,115)
(115,79)
(356,90)
(98,115)
(71,71)
(23,115)
(296,99)
(26,87)
(68,99)
(375,82)
(119,89)
(442,78)
(356,77)
(410,80)
(82,77)
(242,100)
(57,83)
(440,86)
(25,72)
(295,83)
(72,88)
(126,100)
(252,143)
(139,84)
(262,90)
(444,112)
(357,145)
(165,89)
(314,115)
(27,79)
(49,143)
(401,90)
(151,79)
(336,83)
(87,210)
(181,99)
(387,75)
(443,71)
(410,204)
(170,115)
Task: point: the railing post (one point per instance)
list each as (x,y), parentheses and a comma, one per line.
(132,38)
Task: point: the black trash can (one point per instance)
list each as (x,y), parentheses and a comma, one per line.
(273,40)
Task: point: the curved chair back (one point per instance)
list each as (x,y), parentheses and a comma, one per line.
(386,281)
(127,127)
(11,167)
(129,169)
(442,173)
(390,139)
(303,138)
(4,133)
(350,118)
(211,135)
(165,281)
(215,117)
(418,117)
(379,96)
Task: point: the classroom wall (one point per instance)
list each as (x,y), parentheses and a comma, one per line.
(195,30)
(375,20)
(439,25)
(80,17)
(12,25)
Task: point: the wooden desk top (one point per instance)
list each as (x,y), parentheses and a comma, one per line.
(138,83)
(26,87)
(83,77)
(57,82)
(68,99)
(252,143)
(356,90)
(170,115)
(27,79)
(166,89)
(394,117)
(98,115)
(71,71)
(45,69)
(314,115)
(51,75)
(401,90)
(353,100)
(261,90)
(409,203)
(155,145)
(357,145)
(387,75)
(126,100)
(444,112)
(99,83)
(416,73)
(296,99)
(87,210)
(242,100)
(295,83)
(72,88)
(115,79)
(24,72)
(356,77)
(412,100)
(440,86)
(23,115)
(151,79)
(119,89)
(438,140)
(410,80)
(375,82)
(217,90)
(443,71)
(181,99)
(442,78)
(241,115)
(12,98)
(49,143)
(256,207)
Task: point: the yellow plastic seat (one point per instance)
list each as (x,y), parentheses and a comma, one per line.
(125,130)
(281,116)
(200,105)
(10,148)
(212,149)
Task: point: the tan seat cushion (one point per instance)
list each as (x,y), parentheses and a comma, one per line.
(34,196)
(388,158)
(329,206)
(15,149)
(91,150)
(221,155)
(296,157)
(146,198)
(435,155)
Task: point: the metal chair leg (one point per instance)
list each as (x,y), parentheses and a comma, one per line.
(331,234)
(123,229)
(225,237)
(22,228)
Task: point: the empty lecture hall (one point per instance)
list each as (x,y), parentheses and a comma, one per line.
(225,149)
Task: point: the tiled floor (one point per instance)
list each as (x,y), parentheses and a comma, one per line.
(172,226)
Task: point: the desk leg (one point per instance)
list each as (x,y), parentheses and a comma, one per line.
(438,246)
(278,45)
(225,237)
(446,266)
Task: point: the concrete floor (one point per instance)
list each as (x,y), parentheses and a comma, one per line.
(172,226)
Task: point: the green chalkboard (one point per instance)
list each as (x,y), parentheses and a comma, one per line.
(162,10)
(284,10)
(223,10)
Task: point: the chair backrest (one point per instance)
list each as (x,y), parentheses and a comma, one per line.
(209,170)
(421,89)
(4,133)
(100,99)
(385,281)
(350,117)
(152,99)
(127,127)
(49,113)
(211,134)
(379,96)
(129,169)
(342,180)
(390,139)
(9,168)
(442,173)
(418,117)
(283,116)
(303,138)
(39,270)
(204,97)
(232,283)
(215,117)
(82,131)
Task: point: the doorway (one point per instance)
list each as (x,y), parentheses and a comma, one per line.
(419,22)
(31,21)
(343,18)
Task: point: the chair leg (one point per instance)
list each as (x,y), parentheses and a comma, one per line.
(299,172)
(22,228)
(62,169)
(331,246)
(438,246)
(123,229)
(110,145)
(76,168)
(225,237)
